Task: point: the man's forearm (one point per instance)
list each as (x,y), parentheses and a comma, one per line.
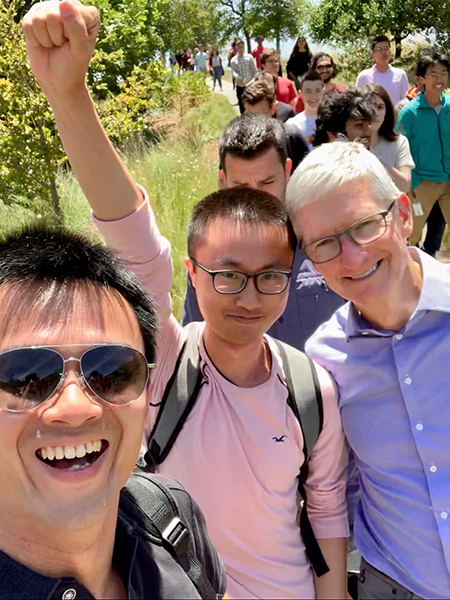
(105,180)
(334,583)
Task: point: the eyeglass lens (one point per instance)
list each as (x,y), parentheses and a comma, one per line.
(30,376)
(364,232)
(232,282)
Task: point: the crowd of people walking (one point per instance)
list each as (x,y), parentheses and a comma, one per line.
(303,398)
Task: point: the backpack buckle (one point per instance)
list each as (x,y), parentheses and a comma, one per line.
(176,536)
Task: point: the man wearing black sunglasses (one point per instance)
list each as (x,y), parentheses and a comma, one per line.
(77,344)
(241,448)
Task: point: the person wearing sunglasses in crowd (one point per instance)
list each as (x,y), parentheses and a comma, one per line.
(324,64)
(387,350)
(77,350)
(241,441)
(389,146)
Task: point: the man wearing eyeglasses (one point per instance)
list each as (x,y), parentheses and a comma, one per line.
(393,79)
(387,350)
(240,451)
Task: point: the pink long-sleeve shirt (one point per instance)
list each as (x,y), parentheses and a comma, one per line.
(244,481)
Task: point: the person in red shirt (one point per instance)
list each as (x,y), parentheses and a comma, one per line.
(285,91)
(258,50)
(324,64)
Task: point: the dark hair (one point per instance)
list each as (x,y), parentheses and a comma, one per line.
(336,110)
(387,129)
(257,91)
(249,136)
(296,51)
(380,38)
(315,59)
(427,60)
(239,205)
(310,76)
(53,261)
(267,54)
(261,75)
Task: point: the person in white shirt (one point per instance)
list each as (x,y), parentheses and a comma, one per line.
(305,121)
(390,147)
(394,80)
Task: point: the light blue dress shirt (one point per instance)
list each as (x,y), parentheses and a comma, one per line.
(395,407)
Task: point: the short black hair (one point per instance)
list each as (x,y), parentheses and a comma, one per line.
(258,91)
(240,205)
(56,261)
(337,109)
(249,136)
(379,39)
(315,59)
(310,76)
(430,59)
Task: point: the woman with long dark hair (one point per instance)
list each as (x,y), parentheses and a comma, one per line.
(390,147)
(298,62)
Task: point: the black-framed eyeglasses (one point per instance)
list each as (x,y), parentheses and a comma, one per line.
(233,282)
(324,67)
(362,232)
(31,375)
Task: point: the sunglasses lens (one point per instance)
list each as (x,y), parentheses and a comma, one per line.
(28,377)
(116,374)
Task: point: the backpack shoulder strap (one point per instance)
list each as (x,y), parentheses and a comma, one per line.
(305,396)
(305,400)
(179,398)
(158,518)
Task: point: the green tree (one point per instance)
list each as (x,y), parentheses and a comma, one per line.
(190,23)
(278,19)
(338,21)
(30,152)
(127,38)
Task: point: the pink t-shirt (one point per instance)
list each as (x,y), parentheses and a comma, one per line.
(244,481)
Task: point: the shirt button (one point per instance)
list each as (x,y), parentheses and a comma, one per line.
(365,333)
(408,381)
(69,594)
(399,336)
(444,514)
(433,468)
(419,426)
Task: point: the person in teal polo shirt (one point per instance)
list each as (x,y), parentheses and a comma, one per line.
(425,121)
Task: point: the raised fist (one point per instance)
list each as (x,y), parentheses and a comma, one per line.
(60,39)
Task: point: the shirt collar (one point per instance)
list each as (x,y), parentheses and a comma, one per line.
(375,68)
(423,101)
(435,295)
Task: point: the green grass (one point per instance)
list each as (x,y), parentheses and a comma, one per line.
(177,173)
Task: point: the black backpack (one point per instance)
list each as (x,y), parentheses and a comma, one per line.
(304,398)
(149,504)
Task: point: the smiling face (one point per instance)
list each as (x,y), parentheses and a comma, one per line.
(364,274)
(50,493)
(312,95)
(250,248)
(435,80)
(325,68)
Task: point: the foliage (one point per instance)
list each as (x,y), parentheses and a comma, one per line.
(278,19)
(177,173)
(191,23)
(127,38)
(338,21)
(30,153)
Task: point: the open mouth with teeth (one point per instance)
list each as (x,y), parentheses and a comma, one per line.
(72,458)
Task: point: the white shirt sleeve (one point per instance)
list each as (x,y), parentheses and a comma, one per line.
(404,158)
(404,84)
